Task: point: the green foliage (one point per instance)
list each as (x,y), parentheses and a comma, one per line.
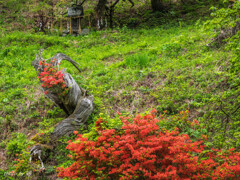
(225,21)
(166,64)
(225,17)
(171,69)
(167,67)
(139,60)
(22,167)
(185,126)
(59,155)
(4,174)
(171,49)
(224,119)
(108,123)
(17,144)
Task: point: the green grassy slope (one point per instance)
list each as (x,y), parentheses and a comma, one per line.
(130,71)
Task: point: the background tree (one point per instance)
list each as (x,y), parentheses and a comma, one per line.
(43,12)
(157,5)
(105,10)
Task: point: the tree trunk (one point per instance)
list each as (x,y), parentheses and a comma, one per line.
(111,13)
(100,14)
(157,5)
(75,103)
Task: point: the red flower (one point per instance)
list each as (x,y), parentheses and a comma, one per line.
(140,149)
(153,111)
(52,79)
(119,113)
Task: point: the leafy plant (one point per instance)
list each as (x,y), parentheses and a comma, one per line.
(193,128)
(139,60)
(225,21)
(17,144)
(141,149)
(171,49)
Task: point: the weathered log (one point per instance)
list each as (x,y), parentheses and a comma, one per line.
(69,102)
(77,119)
(75,103)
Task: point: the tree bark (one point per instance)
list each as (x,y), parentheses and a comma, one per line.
(100,13)
(157,5)
(112,13)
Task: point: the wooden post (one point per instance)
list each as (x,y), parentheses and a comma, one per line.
(79,25)
(70,25)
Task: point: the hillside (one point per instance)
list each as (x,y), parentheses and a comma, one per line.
(170,68)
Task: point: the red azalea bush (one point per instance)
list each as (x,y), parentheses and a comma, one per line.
(52,79)
(140,150)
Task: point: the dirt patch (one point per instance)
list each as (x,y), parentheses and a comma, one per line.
(3,164)
(133,102)
(137,100)
(110,60)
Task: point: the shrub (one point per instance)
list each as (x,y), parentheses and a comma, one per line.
(225,22)
(21,167)
(193,129)
(52,79)
(140,150)
(17,144)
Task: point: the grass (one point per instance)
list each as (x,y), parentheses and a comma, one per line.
(131,71)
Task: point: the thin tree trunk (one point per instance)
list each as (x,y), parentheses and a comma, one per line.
(100,11)
(157,5)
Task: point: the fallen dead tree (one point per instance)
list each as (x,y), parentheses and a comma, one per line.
(75,102)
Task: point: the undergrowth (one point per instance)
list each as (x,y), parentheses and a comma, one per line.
(168,67)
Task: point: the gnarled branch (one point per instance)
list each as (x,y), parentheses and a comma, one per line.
(75,103)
